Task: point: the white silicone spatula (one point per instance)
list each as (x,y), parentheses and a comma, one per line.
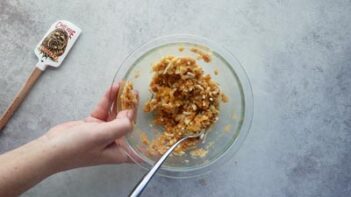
(51,51)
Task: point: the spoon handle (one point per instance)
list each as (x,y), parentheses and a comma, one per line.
(147,177)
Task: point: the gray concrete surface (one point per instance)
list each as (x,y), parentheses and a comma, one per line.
(297,55)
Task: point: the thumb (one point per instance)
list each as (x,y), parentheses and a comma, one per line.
(114,129)
(126,114)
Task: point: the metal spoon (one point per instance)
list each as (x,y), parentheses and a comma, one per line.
(147,177)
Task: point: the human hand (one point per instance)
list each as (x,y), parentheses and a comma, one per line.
(93,141)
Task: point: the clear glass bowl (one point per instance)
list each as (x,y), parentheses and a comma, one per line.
(224,138)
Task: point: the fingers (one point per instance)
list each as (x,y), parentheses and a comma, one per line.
(126,114)
(69,124)
(102,108)
(92,119)
(131,113)
(116,154)
(110,131)
(113,113)
(132,155)
(119,153)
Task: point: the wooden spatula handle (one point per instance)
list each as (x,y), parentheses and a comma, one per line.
(20,96)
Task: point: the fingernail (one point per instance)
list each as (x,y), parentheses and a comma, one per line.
(130,114)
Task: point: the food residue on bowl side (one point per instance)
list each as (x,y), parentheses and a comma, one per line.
(216,71)
(202,54)
(227,128)
(224,97)
(235,116)
(144,139)
(136,74)
(198,153)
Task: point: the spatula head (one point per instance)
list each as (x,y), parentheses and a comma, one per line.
(56,44)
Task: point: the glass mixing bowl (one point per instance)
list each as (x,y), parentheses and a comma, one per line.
(224,137)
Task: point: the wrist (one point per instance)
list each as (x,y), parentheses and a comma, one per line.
(24,167)
(47,154)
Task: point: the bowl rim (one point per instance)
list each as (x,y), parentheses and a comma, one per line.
(246,90)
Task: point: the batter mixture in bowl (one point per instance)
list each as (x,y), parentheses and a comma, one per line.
(184,100)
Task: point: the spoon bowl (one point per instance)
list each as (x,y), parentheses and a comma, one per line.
(148,176)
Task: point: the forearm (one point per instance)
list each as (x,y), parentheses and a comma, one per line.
(24,167)
(92,141)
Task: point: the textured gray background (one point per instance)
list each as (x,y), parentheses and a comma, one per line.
(297,54)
